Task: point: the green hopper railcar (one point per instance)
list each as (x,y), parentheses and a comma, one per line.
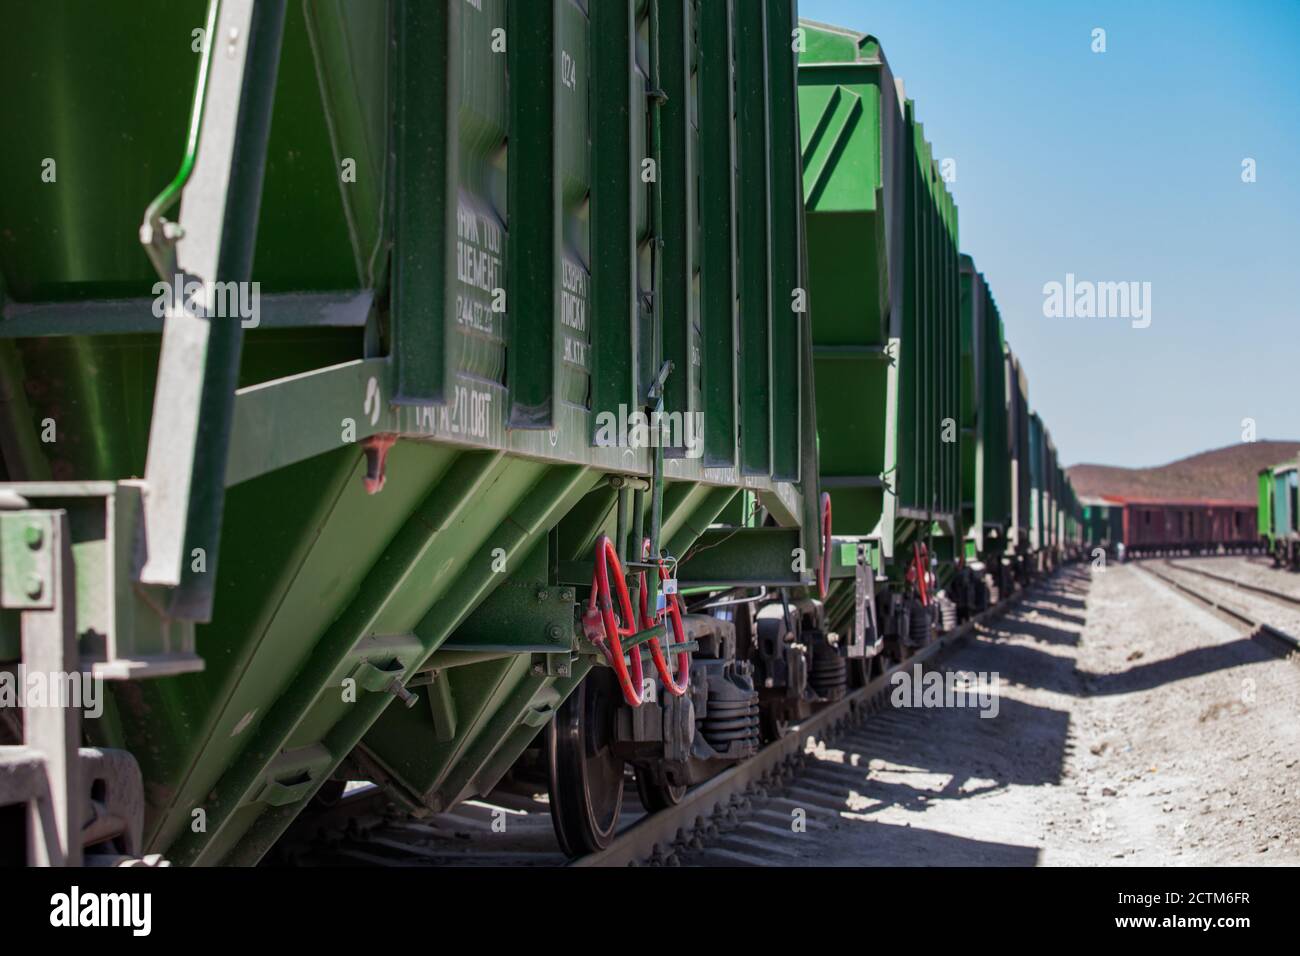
(1020,546)
(427,392)
(1103,522)
(884,279)
(1277,511)
(986,472)
(386,469)
(986,462)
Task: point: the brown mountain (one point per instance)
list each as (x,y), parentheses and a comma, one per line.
(1228,472)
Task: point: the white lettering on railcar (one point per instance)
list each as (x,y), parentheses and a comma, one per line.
(573,282)
(575,351)
(573,311)
(469,414)
(478,268)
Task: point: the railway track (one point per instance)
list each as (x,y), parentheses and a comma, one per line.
(1235,612)
(739,817)
(1279,596)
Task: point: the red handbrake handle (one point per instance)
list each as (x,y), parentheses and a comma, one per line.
(600,613)
(919,554)
(675,686)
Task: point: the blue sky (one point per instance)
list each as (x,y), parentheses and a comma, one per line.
(1123,166)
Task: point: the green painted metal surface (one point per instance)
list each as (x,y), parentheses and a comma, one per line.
(1104,523)
(477,267)
(1264,506)
(72,234)
(971,381)
(1285,513)
(883,275)
(1018,453)
(1045,480)
(850,130)
(1037,478)
(495,254)
(115,142)
(986,471)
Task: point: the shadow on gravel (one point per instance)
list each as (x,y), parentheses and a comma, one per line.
(900,771)
(921,758)
(1069,589)
(1045,600)
(952,753)
(1032,667)
(886,844)
(1028,608)
(1192,663)
(1019,624)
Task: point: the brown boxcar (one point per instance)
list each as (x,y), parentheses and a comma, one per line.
(1153,526)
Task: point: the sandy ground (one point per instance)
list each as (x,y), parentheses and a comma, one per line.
(1133,728)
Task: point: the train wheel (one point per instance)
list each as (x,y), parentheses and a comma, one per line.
(585,776)
(655,796)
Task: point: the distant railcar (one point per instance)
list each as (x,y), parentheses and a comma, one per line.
(1276,524)
(1173,527)
(1103,524)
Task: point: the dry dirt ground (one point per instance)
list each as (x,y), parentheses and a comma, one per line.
(1133,728)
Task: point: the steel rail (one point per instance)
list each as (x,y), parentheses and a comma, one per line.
(1245,586)
(1288,640)
(660,830)
(356,829)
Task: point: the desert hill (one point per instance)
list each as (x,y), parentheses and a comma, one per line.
(1228,472)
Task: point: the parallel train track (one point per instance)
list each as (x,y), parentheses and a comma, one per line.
(1288,642)
(720,821)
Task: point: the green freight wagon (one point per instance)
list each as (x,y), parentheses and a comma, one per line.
(1069,521)
(986,471)
(312,448)
(1018,429)
(1037,480)
(884,279)
(1051,498)
(1073,519)
(1062,512)
(1278,510)
(1103,524)
(1264,508)
(1065,511)
(970,381)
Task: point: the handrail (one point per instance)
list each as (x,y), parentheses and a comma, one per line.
(157,235)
